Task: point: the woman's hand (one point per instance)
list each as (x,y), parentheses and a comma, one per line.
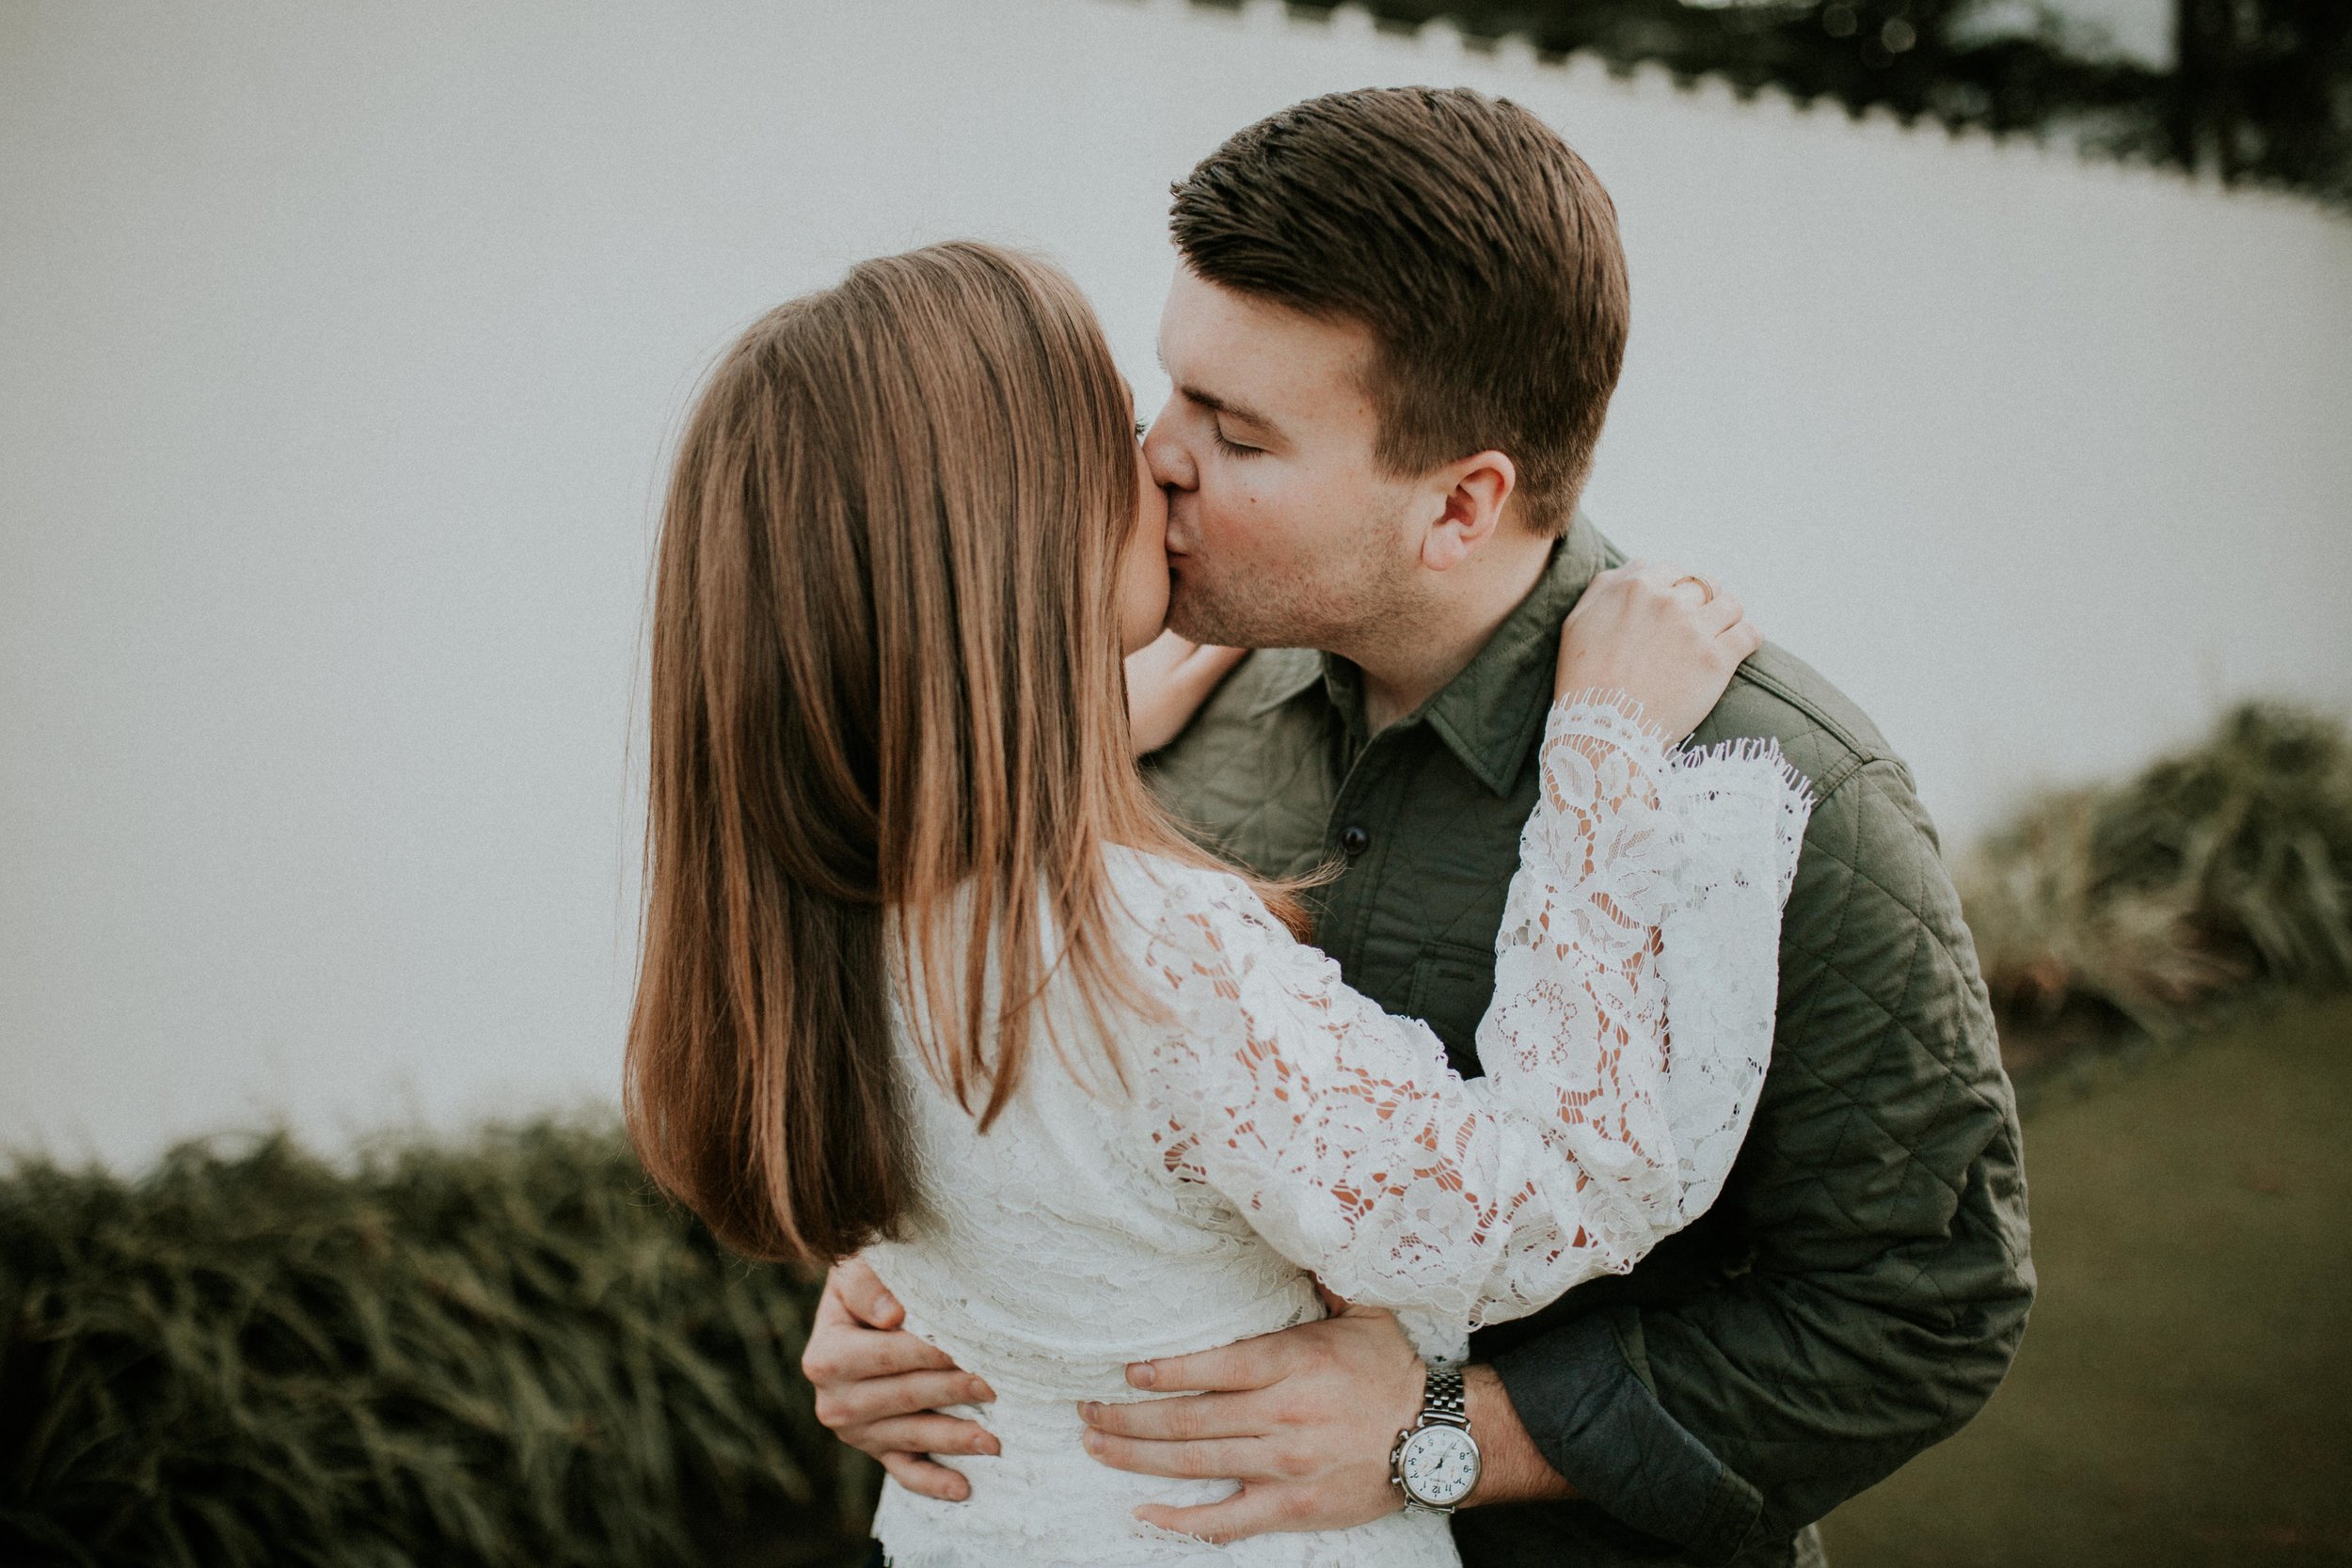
(1665,638)
(1166,682)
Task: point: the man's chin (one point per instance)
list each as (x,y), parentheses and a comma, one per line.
(1187,617)
(1200,618)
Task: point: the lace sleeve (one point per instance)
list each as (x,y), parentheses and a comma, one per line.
(1342,1136)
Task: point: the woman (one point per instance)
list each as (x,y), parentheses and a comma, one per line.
(929,976)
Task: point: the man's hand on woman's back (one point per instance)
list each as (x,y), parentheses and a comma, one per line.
(879,1388)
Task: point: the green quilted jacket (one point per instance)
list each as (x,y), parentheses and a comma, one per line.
(1859,1290)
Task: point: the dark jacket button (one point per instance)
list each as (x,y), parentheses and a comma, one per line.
(1354,840)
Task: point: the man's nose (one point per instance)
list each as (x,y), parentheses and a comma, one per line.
(1172,465)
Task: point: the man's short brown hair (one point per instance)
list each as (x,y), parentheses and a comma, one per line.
(1481,252)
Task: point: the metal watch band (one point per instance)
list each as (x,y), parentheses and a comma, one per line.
(1442,1400)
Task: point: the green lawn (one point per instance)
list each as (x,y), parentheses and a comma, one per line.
(2185,1391)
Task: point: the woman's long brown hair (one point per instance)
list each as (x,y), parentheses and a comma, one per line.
(887,688)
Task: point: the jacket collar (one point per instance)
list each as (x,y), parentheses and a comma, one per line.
(1491,713)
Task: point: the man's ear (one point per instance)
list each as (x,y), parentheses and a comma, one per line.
(1470,493)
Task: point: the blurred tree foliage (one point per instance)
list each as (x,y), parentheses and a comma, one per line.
(2263,91)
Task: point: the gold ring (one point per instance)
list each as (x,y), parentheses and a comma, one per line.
(1705,585)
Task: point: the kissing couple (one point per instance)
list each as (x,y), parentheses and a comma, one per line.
(1495,1074)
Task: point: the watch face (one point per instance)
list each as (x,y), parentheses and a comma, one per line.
(1439,1466)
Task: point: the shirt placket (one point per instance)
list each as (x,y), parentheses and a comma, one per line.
(1363,812)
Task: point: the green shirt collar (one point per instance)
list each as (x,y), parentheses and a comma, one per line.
(1491,713)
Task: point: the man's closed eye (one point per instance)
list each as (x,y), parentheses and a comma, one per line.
(1226,443)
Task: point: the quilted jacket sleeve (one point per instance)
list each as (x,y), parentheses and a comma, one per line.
(1882,1198)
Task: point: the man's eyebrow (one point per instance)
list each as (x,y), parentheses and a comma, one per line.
(1226,406)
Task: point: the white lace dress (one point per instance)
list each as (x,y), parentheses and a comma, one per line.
(1278,1123)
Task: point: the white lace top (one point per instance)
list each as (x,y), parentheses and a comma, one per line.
(1277,1124)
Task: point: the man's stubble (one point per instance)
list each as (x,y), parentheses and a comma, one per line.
(1346,606)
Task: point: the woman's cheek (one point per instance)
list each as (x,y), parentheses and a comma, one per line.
(1143,586)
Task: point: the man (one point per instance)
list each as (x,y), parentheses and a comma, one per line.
(1399,319)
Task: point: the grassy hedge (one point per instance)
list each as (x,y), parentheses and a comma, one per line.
(508,1352)
(2220,871)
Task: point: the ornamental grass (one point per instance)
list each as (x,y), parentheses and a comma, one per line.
(2222,871)
(505,1352)
(508,1351)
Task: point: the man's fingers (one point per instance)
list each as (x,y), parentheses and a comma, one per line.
(881,1399)
(927,1477)
(862,1292)
(1249,1363)
(1251,1511)
(927,1434)
(1193,1416)
(1225,1457)
(844,1353)
(841,1352)
(900,1351)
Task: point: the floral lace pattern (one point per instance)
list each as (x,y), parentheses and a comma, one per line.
(1281,1123)
(1336,1130)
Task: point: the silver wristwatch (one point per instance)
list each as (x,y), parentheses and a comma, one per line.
(1435,1463)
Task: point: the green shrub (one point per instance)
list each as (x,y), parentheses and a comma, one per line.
(511,1352)
(2225,866)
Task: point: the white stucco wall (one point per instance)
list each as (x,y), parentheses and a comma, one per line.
(339,347)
